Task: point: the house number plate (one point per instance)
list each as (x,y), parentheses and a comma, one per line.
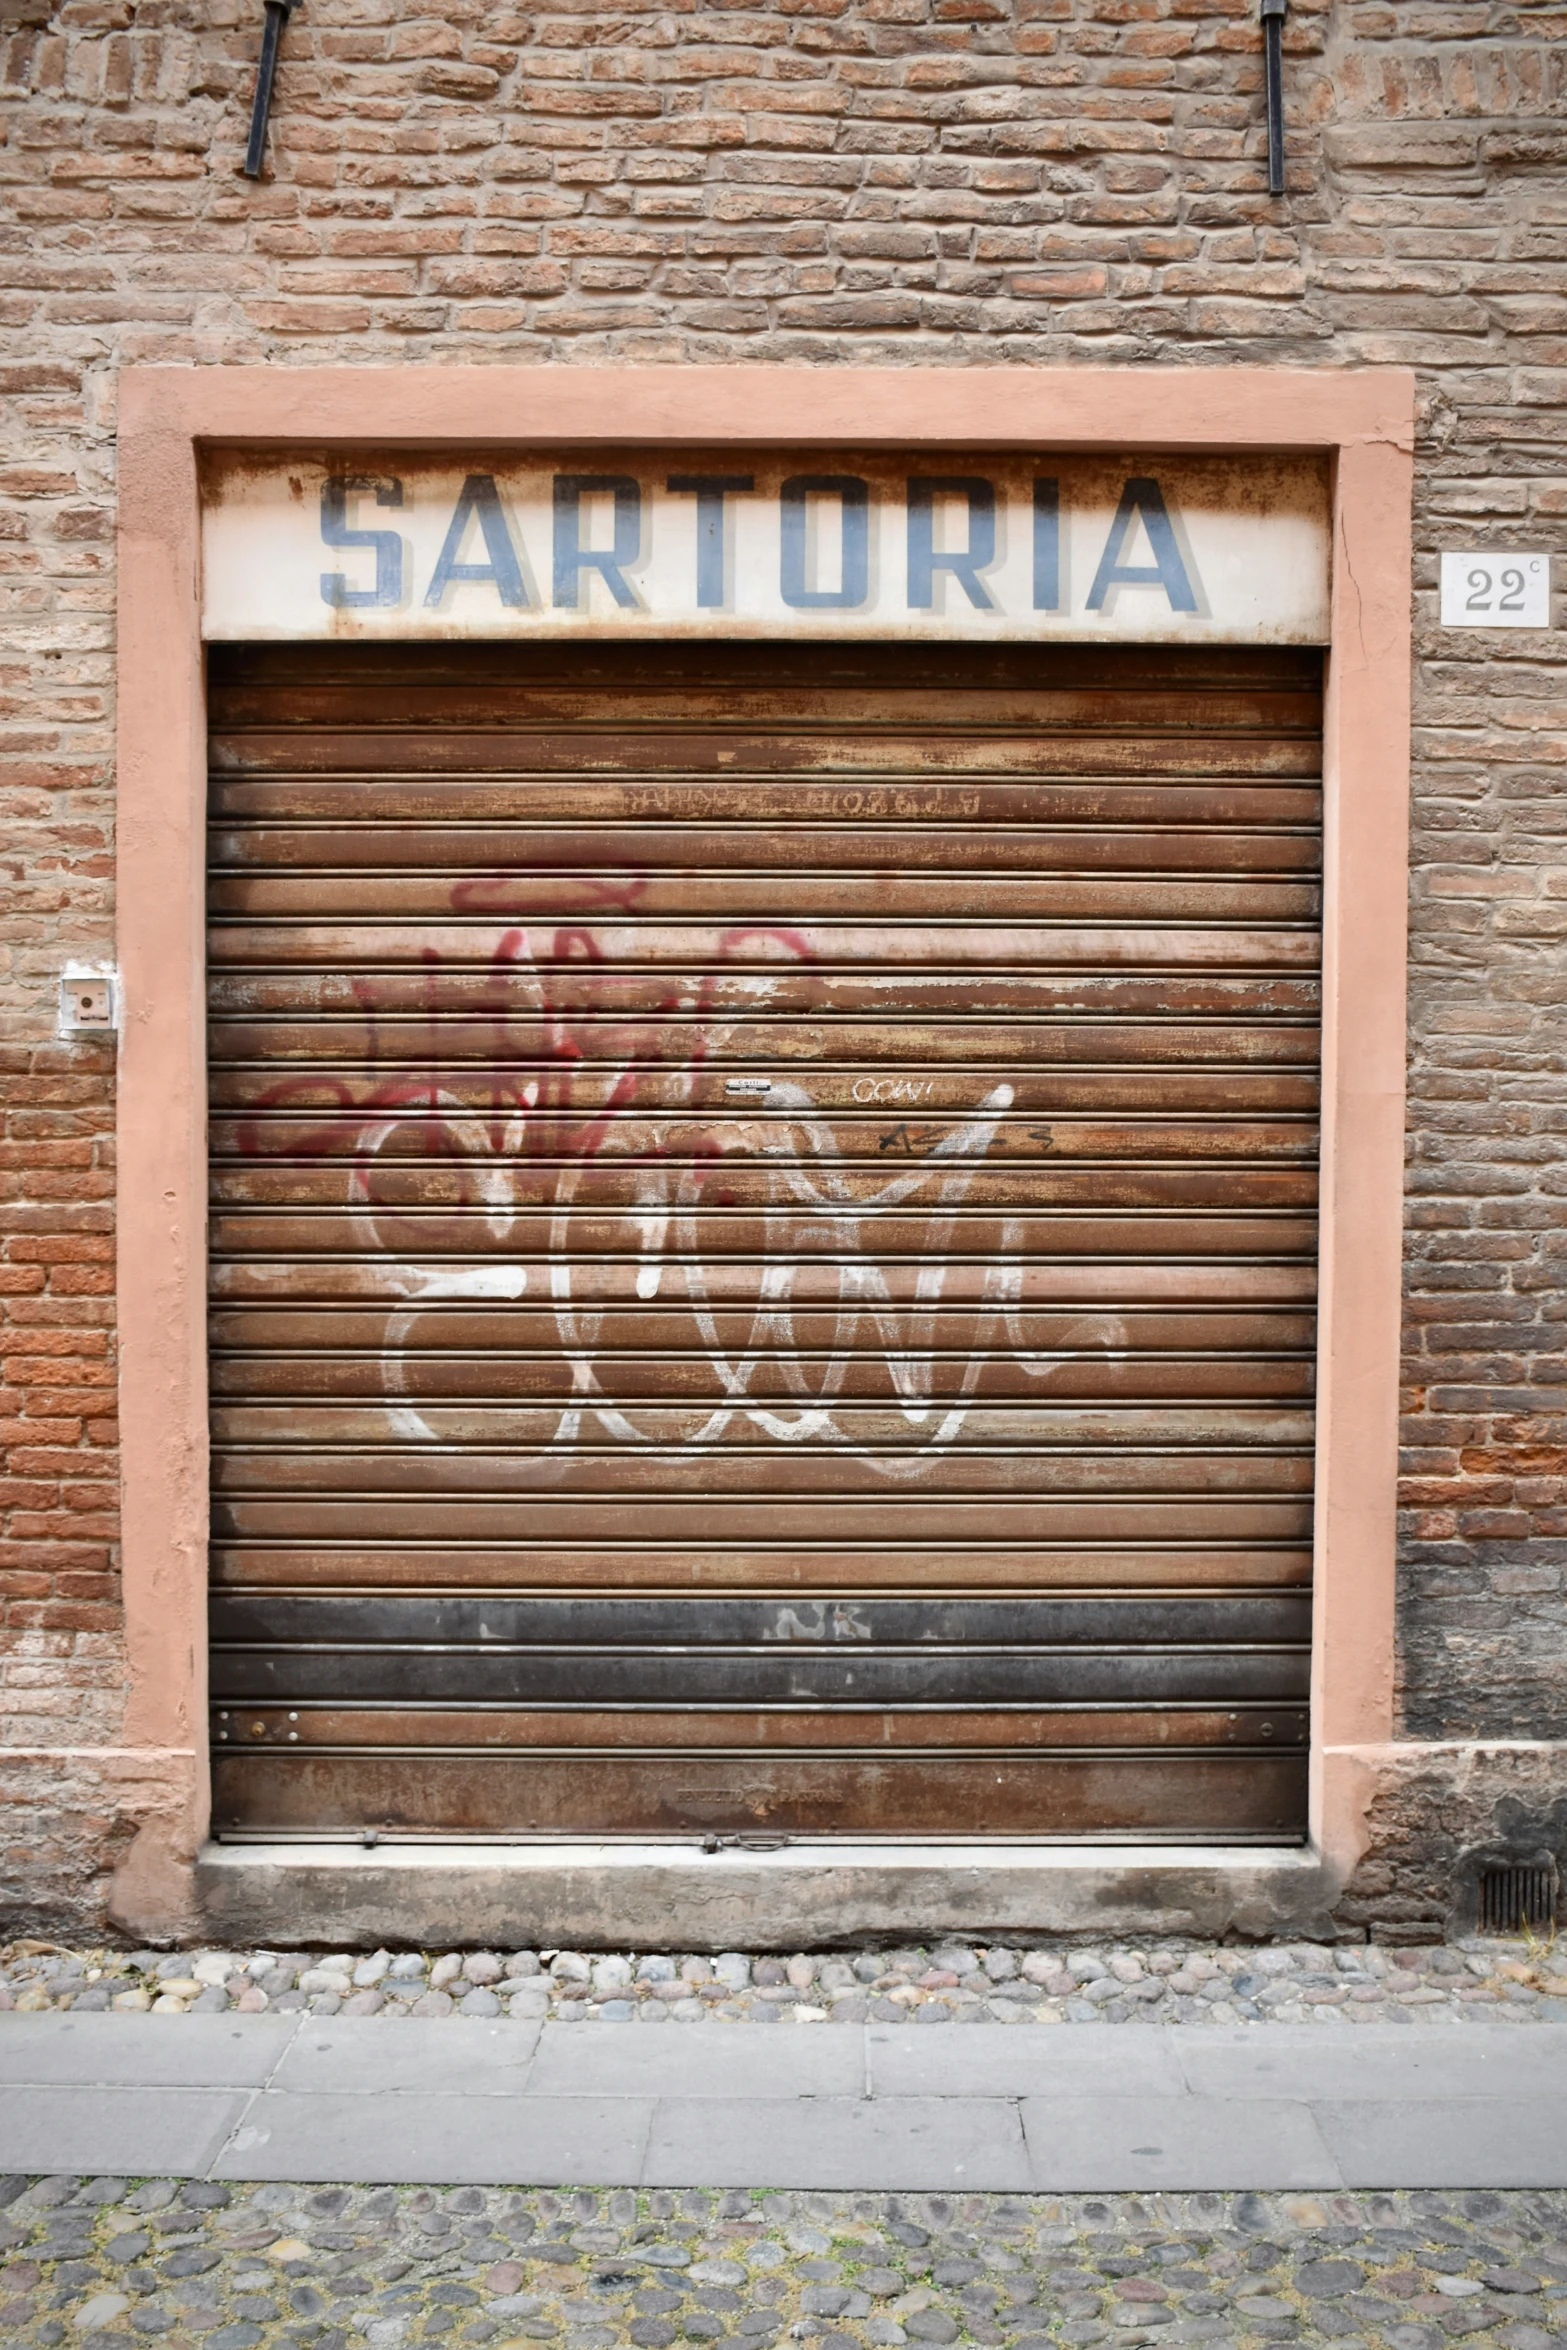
(1496,591)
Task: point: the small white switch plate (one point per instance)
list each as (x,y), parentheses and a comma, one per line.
(89,1000)
(1489,590)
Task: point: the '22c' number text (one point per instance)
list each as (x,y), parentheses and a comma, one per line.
(1482,589)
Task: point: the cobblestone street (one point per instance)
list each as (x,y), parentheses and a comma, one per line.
(109,2263)
(1168,1982)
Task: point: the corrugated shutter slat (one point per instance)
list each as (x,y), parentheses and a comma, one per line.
(763,1239)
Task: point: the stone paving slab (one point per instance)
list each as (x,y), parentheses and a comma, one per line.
(991,2060)
(329,2055)
(902,2142)
(1447,2142)
(1116,2143)
(109,2264)
(511,2103)
(205,2052)
(761,2065)
(414,2136)
(128,2131)
(1293,2062)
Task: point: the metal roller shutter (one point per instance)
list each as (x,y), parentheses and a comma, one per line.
(763,1239)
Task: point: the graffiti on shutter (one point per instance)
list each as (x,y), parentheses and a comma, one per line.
(763,1239)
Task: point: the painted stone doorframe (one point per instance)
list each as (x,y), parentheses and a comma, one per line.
(1361,419)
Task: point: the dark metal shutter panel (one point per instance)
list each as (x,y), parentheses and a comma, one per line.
(1025,947)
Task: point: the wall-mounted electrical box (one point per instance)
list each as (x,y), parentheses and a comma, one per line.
(89,1000)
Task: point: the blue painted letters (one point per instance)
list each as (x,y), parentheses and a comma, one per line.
(1047,543)
(855,497)
(572,558)
(1143,496)
(336,491)
(710,491)
(479,497)
(965,564)
(837,550)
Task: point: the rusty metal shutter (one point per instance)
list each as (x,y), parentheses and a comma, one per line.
(763,1239)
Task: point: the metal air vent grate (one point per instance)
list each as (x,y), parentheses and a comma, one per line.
(1513,1900)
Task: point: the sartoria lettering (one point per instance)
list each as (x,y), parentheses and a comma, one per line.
(637,542)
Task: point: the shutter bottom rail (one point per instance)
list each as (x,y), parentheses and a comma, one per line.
(993,1794)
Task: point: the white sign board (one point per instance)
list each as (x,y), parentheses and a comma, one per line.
(1496,591)
(798,543)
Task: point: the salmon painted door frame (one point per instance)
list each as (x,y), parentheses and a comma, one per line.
(1361,419)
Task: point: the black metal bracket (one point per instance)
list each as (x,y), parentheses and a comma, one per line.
(1273,15)
(278,14)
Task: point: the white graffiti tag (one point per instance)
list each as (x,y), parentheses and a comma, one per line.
(826,1247)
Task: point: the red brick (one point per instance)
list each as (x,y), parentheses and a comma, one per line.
(1054,182)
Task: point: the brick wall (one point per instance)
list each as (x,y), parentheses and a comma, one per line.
(904,181)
